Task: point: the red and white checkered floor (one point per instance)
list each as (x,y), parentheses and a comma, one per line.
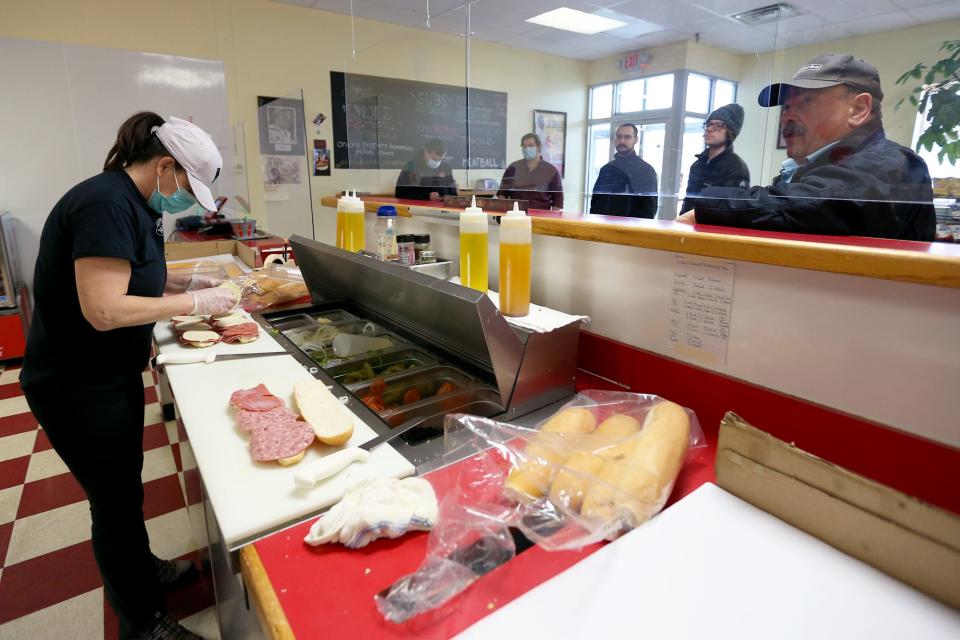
(49,584)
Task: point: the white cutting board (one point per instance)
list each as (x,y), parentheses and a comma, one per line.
(714,566)
(250,498)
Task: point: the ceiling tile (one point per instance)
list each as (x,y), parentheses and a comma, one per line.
(909,4)
(933,12)
(856,9)
(874,24)
(823,33)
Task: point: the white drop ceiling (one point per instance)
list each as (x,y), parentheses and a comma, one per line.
(504,21)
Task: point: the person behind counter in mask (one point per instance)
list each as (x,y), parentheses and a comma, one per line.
(614,193)
(532,179)
(426,176)
(99,287)
(718,165)
(842,176)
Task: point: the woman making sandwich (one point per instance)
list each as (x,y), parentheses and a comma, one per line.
(98,289)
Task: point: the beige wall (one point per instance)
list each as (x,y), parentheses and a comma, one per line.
(273,49)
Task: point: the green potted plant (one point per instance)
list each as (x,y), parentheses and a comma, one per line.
(939,98)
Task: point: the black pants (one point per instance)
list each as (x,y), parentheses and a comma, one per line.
(99,435)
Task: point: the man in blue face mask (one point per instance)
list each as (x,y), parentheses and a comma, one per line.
(427,176)
(532,179)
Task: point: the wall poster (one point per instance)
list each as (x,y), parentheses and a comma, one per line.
(281,126)
(551,126)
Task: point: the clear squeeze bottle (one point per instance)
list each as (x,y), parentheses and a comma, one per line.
(385,238)
(515,237)
(473,247)
(350,234)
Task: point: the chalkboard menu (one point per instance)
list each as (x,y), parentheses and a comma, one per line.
(379,123)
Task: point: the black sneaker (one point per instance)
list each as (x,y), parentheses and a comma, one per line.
(166,628)
(175,572)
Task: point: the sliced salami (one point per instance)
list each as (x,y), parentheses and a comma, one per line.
(278,439)
(258,398)
(246,332)
(250,421)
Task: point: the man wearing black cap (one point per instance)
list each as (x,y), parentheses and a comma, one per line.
(718,165)
(842,177)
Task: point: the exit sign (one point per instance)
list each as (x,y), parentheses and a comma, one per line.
(634,62)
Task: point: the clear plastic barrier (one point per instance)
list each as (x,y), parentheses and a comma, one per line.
(650,114)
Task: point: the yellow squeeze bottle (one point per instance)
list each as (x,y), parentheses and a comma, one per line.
(350,223)
(473,247)
(515,241)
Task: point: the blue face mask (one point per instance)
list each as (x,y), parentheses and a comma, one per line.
(530,153)
(180,201)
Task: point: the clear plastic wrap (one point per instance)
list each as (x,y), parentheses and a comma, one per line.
(601,465)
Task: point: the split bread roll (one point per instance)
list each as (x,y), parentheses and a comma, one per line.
(200,339)
(294,459)
(580,470)
(323,411)
(637,475)
(531,479)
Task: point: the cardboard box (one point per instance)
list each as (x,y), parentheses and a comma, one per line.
(185,250)
(914,542)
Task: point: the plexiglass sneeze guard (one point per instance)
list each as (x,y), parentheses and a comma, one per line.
(448,107)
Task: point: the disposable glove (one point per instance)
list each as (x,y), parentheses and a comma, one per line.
(377,509)
(208,302)
(200,281)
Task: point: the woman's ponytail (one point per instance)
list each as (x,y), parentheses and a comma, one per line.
(135,142)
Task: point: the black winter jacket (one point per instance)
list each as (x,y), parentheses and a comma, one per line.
(726,170)
(865,185)
(623,176)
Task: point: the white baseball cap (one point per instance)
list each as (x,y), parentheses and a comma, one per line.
(196,152)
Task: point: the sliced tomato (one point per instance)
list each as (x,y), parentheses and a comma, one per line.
(377,387)
(411,395)
(446,387)
(374,402)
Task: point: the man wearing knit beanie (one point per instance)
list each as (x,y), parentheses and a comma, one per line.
(718,165)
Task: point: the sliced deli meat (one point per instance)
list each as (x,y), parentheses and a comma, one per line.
(257,398)
(246,332)
(280,438)
(250,421)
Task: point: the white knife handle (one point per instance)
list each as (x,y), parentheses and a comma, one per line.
(329,466)
(185,358)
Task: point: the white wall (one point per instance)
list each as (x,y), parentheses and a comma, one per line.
(62,107)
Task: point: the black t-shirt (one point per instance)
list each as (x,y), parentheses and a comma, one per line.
(103,216)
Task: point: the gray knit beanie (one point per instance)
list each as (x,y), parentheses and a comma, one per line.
(730,115)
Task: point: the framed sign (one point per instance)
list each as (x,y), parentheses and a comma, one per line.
(281,126)
(781,142)
(551,126)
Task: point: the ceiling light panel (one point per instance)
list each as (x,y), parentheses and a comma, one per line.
(567,19)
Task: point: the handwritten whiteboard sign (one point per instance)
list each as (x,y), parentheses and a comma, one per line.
(700,308)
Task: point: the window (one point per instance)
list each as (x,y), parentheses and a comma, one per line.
(670,134)
(645,94)
(724,92)
(698,93)
(601,101)
(704,94)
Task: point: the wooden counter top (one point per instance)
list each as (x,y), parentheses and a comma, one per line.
(920,262)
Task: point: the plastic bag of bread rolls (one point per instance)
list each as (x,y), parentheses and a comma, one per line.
(604,463)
